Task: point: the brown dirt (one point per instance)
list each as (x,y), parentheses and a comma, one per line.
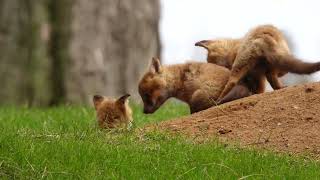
(285,120)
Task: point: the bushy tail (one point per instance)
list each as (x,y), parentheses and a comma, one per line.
(292,64)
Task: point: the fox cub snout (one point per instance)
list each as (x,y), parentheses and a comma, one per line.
(113,113)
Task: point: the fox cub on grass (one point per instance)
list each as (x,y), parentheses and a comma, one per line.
(263,53)
(113,113)
(197,84)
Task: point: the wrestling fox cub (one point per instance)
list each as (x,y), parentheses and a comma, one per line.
(113,113)
(197,84)
(261,54)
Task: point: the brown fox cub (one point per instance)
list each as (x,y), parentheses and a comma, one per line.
(223,52)
(197,84)
(261,54)
(113,113)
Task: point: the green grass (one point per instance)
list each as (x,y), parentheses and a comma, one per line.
(65,143)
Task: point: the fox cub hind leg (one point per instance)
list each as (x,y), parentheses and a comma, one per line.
(237,74)
(245,61)
(237,92)
(272,77)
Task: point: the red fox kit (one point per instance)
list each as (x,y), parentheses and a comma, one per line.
(223,52)
(261,54)
(112,113)
(197,84)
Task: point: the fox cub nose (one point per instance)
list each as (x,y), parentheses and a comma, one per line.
(147,110)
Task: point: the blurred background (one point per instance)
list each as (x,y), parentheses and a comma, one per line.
(65,51)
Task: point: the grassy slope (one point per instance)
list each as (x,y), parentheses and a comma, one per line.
(64,142)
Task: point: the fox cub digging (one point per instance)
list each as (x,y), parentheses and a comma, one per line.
(261,54)
(113,113)
(197,84)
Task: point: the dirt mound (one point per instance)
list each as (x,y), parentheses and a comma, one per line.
(283,120)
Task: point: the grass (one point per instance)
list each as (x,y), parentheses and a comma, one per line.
(65,143)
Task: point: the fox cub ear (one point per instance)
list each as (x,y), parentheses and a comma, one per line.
(123,99)
(155,66)
(97,99)
(203,43)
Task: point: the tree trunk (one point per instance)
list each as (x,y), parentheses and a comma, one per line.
(60,19)
(95,47)
(112,42)
(23,61)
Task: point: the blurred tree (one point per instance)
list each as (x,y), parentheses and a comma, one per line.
(60,12)
(23,61)
(94,47)
(112,42)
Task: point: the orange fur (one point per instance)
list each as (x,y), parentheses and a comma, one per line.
(261,54)
(197,84)
(113,113)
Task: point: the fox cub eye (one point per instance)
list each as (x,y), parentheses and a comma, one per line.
(147,97)
(148,101)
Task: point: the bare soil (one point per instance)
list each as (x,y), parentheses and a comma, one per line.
(285,120)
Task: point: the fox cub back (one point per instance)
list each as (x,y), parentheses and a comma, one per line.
(113,113)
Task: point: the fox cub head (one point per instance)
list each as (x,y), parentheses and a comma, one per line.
(113,113)
(153,87)
(220,52)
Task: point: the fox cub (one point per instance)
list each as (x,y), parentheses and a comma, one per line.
(263,53)
(113,113)
(197,84)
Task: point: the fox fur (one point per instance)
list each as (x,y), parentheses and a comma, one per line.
(197,84)
(263,53)
(112,113)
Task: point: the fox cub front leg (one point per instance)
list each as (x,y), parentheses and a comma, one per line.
(200,100)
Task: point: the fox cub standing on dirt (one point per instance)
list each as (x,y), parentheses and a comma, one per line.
(113,113)
(262,53)
(197,84)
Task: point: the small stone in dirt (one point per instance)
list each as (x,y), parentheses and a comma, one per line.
(286,144)
(224,131)
(308,90)
(203,127)
(174,127)
(309,118)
